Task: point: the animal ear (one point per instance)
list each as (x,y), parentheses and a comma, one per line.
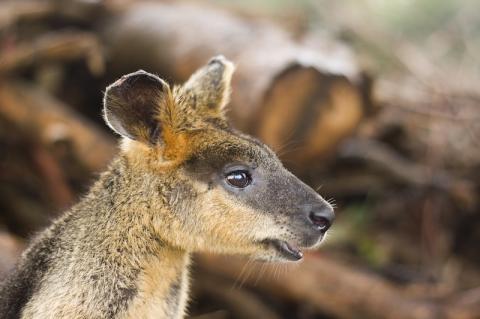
(209,87)
(133,103)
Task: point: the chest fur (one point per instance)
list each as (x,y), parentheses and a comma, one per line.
(159,290)
(162,289)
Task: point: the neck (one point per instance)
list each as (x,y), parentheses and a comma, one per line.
(120,265)
(161,283)
(162,286)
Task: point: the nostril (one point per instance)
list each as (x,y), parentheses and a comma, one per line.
(321,220)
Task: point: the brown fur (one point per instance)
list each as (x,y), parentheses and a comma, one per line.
(123,251)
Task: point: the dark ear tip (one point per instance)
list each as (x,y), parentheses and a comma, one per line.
(140,75)
(219,59)
(137,79)
(220,65)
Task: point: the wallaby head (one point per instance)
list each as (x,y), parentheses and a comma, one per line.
(209,187)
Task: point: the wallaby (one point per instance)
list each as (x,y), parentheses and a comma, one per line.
(184,181)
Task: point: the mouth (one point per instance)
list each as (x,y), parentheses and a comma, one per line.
(286,249)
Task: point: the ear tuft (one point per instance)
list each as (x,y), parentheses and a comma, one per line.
(132,105)
(210,86)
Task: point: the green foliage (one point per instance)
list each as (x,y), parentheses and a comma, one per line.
(414,19)
(354,228)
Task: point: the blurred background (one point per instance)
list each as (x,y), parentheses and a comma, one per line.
(375,103)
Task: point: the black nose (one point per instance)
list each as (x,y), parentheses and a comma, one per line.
(321,217)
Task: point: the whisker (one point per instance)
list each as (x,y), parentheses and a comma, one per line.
(242,275)
(260,273)
(332,202)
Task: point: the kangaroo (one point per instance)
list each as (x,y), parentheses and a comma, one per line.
(184,181)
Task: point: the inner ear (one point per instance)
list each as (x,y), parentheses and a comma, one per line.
(209,87)
(133,103)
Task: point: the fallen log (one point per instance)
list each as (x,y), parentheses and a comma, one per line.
(10,249)
(336,289)
(14,12)
(240,302)
(59,151)
(57,48)
(51,120)
(299,100)
(401,170)
(465,306)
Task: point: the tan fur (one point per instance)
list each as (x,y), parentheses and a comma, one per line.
(124,250)
(154,284)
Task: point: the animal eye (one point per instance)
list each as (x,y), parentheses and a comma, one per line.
(239,179)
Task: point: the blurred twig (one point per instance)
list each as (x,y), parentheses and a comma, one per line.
(30,107)
(12,12)
(334,288)
(55,47)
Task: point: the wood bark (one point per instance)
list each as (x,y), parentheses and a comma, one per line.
(339,290)
(57,152)
(241,303)
(54,48)
(10,249)
(51,120)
